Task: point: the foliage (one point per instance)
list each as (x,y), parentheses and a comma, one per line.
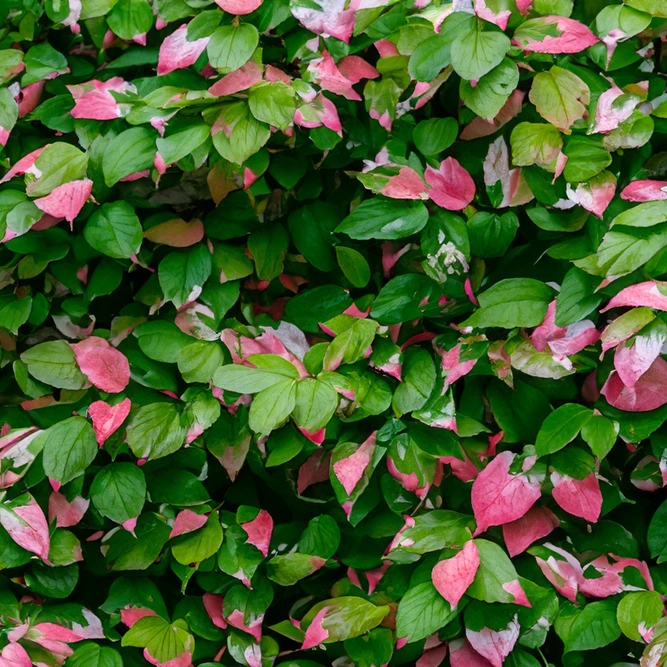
(332,333)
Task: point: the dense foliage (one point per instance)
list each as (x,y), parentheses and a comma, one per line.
(332,333)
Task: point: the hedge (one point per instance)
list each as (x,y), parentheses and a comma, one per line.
(333,333)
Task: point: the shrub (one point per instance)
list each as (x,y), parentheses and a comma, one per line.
(332,333)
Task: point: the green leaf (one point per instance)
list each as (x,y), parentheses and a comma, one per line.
(164,641)
(576,299)
(620,254)
(645,215)
(435,135)
(561,427)
(272,406)
(42,61)
(129,152)
(418,382)
(421,612)
(130,18)
(319,304)
(600,433)
(155,430)
(200,544)
(268,247)
(231,46)
(161,340)
(478,51)
(272,103)
(384,218)
(635,610)
(589,628)
(404,298)
(243,135)
(58,163)
(490,93)
(586,157)
(347,617)
(118,491)
(495,570)
(127,552)
(514,302)
(176,146)
(560,97)
(69,447)
(491,234)
(536,143)
(315,404)
(114,230)
(353,265)
(88,654)
(182,272)
(246,380)
(657,534)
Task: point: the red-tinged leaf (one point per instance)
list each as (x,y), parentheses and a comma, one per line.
(315,469)
(93,100)
(66,200)
(130,615)
(350,470)
(499,497)
(213,605)
(645,190)
(187,521)
(648,393)
(632,360)
(495,645)
(238,7)
(452,577)
(14,655)
(26,524)
(176,233)
(563,570)
(407,184)
(478,127)
(580,497)
(66,513)
(573,37)
(462,654)
(107,419)
(651,293)
(259,531)
(241,79)
(537,523)
(105,366)
(177,52)
(355,69)
(452,186)
(316,633)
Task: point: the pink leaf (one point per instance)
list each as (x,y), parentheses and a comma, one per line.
(537,523)
(332,18)
(648,393)
(315,633)
(432,655)
(463,655)
(325,72)
(184,659)
(238,7)
(651,293)
(106,367)
(27,526)
(499,497)
(131,614)
(407,184)
(187,521)
(14,655)
(564,572)
(580,497)
(66,200)
(350,470)
(645,190)
(23,165)
(452,186)
(516,591)
(452,577)
(609,114)
(484,12)
(176,52)
(494,645)
(253,627)
(66,513)
(573,38)
(355,69)
(259,531)
(633,360)
(595,195)
(315,469)
(452,367)
(241,79)
(93,100)
(108,418)
(213,605)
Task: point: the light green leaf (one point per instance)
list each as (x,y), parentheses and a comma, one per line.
(114,230)
(491,92)
(272,103)
(69,447)
(384,218)
(478,51)
(200,544)
(155,430)
(560,97)
(272,406)
(231,46)
(54,364)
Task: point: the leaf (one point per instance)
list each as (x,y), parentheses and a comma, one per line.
(589,628)
(272,103)
(576,299)
(164,641)
(421,612)
(183,272)
(272,406)
(404,298)
(635,610)
(155,430)
(514,302)
(494,574)
(600,433)
(657,534)
(199,545)
(88,654)
(231,46)
(491,234)
(490,93)
(560,97)
(478,51)
(54,364)
(69,447)
(114,230)
(118,492)
(240,134)
(346,617)
(127,153)
(353,265)
(435,135)
(384,218)
(561,427)
(315,404)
